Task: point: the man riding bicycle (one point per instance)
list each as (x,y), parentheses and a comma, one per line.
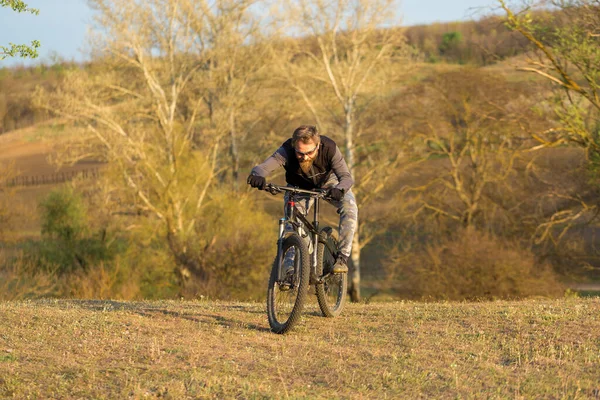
(312,161)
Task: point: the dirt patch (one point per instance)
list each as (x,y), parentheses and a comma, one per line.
(18,148)
(36,175)
(31,157)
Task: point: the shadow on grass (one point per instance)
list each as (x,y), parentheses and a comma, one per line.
(588,293)
(150,310)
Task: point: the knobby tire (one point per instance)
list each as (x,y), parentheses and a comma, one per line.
(331,294)
(279,301)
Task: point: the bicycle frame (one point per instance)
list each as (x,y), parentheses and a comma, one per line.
(293,216)
(286,295)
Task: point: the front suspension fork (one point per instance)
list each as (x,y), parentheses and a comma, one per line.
(282,223)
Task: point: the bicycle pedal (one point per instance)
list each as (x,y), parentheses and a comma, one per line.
(313,279)
(285,287)
(321,279)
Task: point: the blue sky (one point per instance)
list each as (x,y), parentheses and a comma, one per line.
(62,25)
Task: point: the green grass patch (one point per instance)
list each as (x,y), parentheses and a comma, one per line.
(8,357)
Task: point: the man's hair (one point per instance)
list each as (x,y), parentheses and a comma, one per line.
(306,133)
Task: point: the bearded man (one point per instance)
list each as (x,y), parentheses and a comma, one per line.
(312,161)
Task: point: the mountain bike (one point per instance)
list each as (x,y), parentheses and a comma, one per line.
(305,256)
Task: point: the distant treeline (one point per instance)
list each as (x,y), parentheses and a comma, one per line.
(51,179)
(17,85)
(481,42)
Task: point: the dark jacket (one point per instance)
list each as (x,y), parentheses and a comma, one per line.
(328,161)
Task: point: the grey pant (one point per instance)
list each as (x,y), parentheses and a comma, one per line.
(346,208)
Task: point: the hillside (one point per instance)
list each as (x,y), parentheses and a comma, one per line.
(480,42)
(205,349)
(30,147)
(442,135)
(30,151)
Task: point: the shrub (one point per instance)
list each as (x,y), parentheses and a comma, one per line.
(21,279)
(232,247)
(6,204)
(472,265)
(236,244)
(449,41)
(63,215)
(67,243)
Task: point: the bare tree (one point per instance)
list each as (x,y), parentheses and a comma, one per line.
(349,51)
(234,55)
(472,133)
(566,44)
(139,115)
(568,50)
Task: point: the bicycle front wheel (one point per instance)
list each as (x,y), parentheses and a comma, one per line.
(331,293)
(286,297)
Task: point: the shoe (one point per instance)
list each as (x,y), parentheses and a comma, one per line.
(288,273)
(341,265)
(288,278)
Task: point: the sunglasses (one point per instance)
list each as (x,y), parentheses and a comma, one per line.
(306,153)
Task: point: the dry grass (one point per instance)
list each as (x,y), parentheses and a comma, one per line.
(205,349)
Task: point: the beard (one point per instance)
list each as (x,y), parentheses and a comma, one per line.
(306,165)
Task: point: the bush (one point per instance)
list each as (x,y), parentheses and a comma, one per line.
(8,206)
(67,244)
(152,270)
(236,243)
(231,249)
(472,265)
(20,278)
(63,215)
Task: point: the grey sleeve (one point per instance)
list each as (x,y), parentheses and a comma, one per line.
(278,159)
(341,171)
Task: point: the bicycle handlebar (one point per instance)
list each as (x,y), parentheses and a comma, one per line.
(274,189)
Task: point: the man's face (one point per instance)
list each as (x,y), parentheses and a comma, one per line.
(306,153)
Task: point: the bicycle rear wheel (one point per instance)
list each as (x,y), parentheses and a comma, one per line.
(331,293)
(285,299)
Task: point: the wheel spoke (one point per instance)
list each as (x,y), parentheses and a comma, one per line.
(331,294)
(332,288)
(285,298)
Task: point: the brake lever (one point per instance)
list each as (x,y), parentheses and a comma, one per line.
(273,190)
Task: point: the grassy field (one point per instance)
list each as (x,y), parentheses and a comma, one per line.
(205,349)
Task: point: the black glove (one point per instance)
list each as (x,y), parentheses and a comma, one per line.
(257,182)
(335,193)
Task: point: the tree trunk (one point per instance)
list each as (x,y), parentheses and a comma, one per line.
(354,287)
(187,265)
(234,152)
